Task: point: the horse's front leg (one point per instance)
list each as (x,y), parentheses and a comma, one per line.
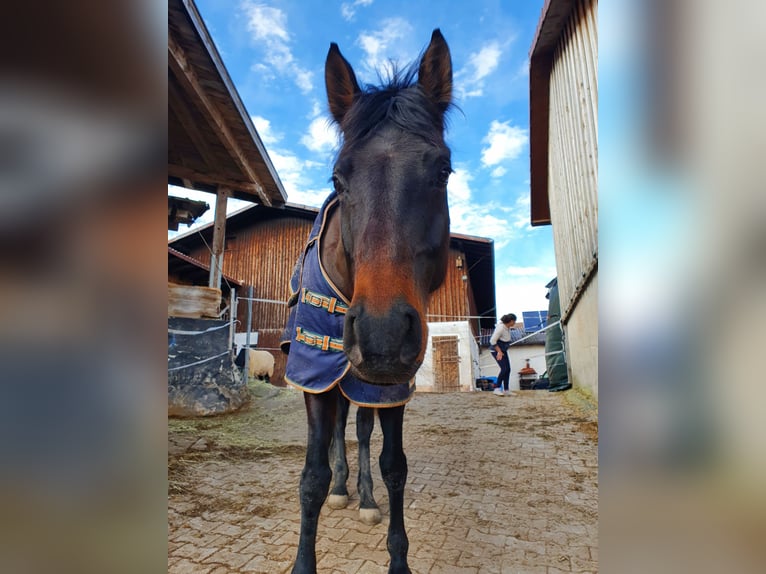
(315,479)
(339,492)
(393,468)
(369,513)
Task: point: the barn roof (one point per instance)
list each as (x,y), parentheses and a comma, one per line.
(480,264)
(180,264)
(479,251)
(212,141)
(182,210)
(554,17)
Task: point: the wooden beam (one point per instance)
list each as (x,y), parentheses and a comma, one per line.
(186,76)
(539,114)
(219,235)
(176,103)
(193,176)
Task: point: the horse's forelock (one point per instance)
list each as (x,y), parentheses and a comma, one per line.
(399,101)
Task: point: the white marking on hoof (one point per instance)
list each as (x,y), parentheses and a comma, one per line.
(337,501)
(370,516)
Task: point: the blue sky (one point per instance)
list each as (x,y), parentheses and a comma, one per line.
(274,51)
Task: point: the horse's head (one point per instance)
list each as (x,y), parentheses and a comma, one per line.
(391,178)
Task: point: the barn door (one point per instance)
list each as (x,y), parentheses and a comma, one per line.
(446,363)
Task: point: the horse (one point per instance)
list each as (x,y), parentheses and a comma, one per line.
(378,249)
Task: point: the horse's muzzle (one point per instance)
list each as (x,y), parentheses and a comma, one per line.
(384,349)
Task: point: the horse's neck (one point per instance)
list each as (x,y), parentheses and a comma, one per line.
(334,257)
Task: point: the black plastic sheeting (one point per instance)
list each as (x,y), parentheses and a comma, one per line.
(202,377)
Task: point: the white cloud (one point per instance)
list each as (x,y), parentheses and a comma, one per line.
(499,171)
(322,135)
(266,22)
(473,218)
(303,79)
(348,9)
(295,174)
(506,142)
(264,129)
(469,80)
(268,26)
(458,187)
(485,61)
(316,109)
(385,44)
(519,295)
(521,212)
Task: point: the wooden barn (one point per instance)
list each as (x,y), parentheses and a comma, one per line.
(563,86)
(213,147)
(263,244)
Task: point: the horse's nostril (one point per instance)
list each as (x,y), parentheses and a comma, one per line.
(350,340)
(412,337)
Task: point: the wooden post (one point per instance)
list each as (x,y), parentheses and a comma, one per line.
(219,234)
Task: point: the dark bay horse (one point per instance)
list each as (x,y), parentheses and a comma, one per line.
(357,329)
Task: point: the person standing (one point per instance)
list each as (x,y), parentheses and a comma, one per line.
(498,344)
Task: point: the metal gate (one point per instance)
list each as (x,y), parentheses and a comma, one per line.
(446,363)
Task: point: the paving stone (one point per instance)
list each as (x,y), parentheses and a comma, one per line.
(185,566)
(500,487)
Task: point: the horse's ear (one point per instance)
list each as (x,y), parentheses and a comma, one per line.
(340,81)
(435,73)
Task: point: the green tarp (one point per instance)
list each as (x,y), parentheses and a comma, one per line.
(555,358)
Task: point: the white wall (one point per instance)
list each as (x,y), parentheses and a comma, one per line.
(582,341)
(468,351)
(518,355)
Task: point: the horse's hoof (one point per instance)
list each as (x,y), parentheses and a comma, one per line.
(337,501)
(370,516)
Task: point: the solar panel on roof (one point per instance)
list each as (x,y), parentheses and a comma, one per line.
(534,320)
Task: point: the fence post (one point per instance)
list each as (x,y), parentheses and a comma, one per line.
(247,333)
(232,318)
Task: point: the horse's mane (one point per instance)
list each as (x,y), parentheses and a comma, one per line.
(399,100)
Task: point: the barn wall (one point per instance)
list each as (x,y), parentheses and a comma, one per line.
(451,301)
(573,181)
(573,167)
(582,342)
(263,255)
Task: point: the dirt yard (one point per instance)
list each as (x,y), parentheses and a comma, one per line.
(496,484)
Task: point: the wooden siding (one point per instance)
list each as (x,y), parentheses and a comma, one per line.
(264,255)
(573,165)
(450,301)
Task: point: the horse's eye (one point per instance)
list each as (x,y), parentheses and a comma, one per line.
(444,176)
(338,184)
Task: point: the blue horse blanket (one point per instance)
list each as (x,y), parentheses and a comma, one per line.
(313,336)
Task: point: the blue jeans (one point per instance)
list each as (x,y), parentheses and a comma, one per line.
(503,379)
